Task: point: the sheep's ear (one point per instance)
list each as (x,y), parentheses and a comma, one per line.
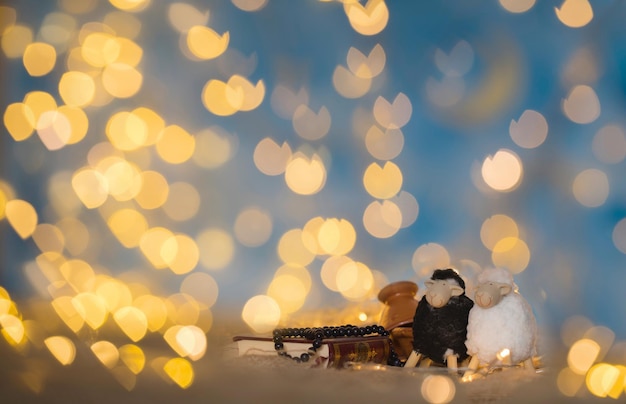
(456,290)
(505,289)
(429,283)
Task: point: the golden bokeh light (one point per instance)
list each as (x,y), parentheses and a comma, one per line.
(285,100)
(368,19)
(503,171)
(154,190)
(190,342)
(602,378)
(131,5)
(355,281)
(271,158)
(49,238)
(517,6)
(8,17)
(54,130)
(591,188)
(182,309)
(151,243)
(384,145)
(511,253)
(336,236)
(77,88)
(214,147)
(457,62)
(294,247)
(393,115)
(91,187)
(39,58)
(217,248)
(428,257)
(497,227)
(569,382)
(78,121)
(310,125)
(22,217)
(582,354)
(100,49)
(382,219)
(132,322)
(619,236)
(143,218)
(310,231)
(154,125)
(368,66)
(305,176)
(409,208)
(205,44)
(15,40)
(114,293)
(67,313)
(288,291)
(253,94)
(180,371)
(133,357)
(19,120)
(123,178)
(438,389)
(128,225)
(250,5)
(530,130)
(261,313)
(79,275)
(221,99)
(154,309)
(253,226)
(202,287)
(349,85)
(129,52)
(181,253)
(77,7)
(183,201)
(582,104)
(382,182)
(12,329)
(106,352)
(125,25)
(91,308)
(126,131)
(62,348)
(121,80)
(575,13)
(39,103)
(183,16)
(609,144)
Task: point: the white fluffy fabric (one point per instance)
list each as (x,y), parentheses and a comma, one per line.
(499,275)
(510,324)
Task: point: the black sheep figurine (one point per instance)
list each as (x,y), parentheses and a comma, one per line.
(440,321)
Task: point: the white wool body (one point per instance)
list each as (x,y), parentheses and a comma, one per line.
(510,324)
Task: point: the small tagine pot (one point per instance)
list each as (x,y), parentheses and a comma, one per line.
(397,315)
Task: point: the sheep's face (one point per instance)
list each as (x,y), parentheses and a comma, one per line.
(488,294)
(439,292)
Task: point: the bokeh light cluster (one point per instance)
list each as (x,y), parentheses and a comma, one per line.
(170,164)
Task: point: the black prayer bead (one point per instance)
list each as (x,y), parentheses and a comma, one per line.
(304,357)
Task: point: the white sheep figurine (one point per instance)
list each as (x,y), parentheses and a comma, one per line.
(501,326)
